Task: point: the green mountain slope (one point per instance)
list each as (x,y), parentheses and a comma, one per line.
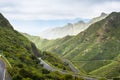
(46,45)
(100,42)
(22,55)
(49,57)
(95,50)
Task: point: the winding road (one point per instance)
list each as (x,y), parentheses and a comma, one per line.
(50,68)
(75,70)
(2,70)
(46,66)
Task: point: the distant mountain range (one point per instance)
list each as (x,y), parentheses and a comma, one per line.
(69,29)
(95,51)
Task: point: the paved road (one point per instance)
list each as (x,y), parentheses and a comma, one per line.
(2,70)
(48,67)
(45,65)
(75,70)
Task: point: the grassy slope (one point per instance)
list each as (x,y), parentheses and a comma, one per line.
(55,61)
(52,59)
(99,42)
(21,54)
(47,45)
(96,46)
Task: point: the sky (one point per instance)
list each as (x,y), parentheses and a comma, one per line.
(34,16)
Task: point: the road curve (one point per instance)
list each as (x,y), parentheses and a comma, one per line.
(2,70)
(75,70)
(45,65)
(50,68)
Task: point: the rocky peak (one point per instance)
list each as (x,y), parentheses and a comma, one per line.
(103,14)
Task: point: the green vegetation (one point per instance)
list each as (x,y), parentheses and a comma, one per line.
(95,50)
(46,45)
(55,61)
(22,55)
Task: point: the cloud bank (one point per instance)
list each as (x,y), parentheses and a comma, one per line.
(56,9)
(33,16)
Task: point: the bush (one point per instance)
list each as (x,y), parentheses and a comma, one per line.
(116,78)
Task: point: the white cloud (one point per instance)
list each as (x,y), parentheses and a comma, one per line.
(31,10)
(57,9)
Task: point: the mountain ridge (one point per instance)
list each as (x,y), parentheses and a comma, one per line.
(69,29)
(94,50)
(23,55)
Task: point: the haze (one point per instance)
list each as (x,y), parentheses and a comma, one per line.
(34,16)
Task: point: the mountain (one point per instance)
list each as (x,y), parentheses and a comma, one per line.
(95,50)
(44,44)
(23,56)
(69,29)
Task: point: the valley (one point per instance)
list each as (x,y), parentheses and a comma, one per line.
(93,51)
(59,40)
(23,56)
(92,54)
